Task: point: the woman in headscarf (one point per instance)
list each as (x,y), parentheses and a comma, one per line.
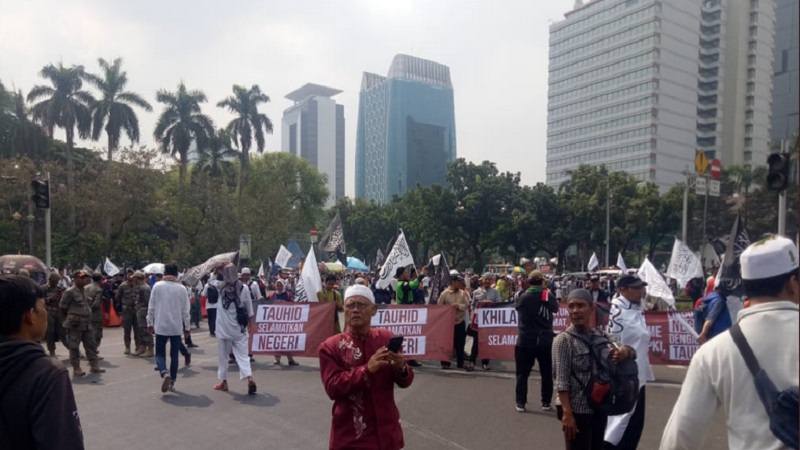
(231,334)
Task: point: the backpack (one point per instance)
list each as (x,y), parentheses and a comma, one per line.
(782,407)
(613,388)
(212,293)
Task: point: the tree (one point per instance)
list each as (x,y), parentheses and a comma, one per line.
(248,124)
(114,108)
(64,105)
(180,125)
(214,157)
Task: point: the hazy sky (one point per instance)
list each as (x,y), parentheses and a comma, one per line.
(496,51)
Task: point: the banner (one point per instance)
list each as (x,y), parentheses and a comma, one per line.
(670,340)
(400,256)
(427,329)
(282,258)
(683,264)
(194,274)
(290,328)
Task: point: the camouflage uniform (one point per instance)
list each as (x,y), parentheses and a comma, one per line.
(75,306)
(55,332)
(94,294)
(127,295)
(145,338)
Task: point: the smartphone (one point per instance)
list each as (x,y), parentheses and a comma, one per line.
(395,344)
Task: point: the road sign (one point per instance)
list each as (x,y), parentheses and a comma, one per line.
(700,186)
(700,162)
(713,188)
(716,169)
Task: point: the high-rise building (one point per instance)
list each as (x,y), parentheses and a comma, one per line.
(406,128)
(313,129)
(734,87)
(639,85)
(786,95)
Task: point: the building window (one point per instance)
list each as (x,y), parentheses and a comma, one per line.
(751,87)
(784,62)
(754,4)
(751,73)
(753,18)
(751,60)
(753,31)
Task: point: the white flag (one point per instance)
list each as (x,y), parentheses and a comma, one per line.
(282,259)
(656,285)
(621,263)
(110,268)
(400,256)
(309,283)
(683,264)
(260,271)
(593,264)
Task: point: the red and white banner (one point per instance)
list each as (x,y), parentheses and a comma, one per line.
(427,329)
(670,342)
(292,328)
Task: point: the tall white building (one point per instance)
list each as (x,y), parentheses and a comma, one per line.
(313,129)
(634,85)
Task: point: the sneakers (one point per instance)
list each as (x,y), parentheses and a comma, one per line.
(485,366)
(166,385)
(292,362)
(127,350)
(546,407)
(520,408)
(251,387)
(221,386)
(148,352)
(96,369)
(187,360)
(77,372)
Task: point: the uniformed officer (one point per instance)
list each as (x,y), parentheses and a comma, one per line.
(94,293)
(142,301)
(127,294)
(77,325)
(55,332)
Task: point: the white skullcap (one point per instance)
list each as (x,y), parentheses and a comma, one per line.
(358,290)
(769,257)
(246,271)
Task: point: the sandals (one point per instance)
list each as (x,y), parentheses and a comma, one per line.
(221,386)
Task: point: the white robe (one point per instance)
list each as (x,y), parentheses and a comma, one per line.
(627,326)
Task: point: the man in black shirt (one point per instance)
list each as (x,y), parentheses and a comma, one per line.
(37,407)
(535,309)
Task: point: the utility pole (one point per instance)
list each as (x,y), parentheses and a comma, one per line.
(608,216)
(685,216)
(782,198)
(705,212)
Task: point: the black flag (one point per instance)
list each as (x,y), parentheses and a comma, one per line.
(332,240)
(730,273)
(439,274)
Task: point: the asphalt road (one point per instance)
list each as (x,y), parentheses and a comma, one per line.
(124,408)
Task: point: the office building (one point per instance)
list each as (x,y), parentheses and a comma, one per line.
(786,90)
(313,129)
(639,85)
(406,128)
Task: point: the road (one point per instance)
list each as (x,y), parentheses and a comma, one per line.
(124,408)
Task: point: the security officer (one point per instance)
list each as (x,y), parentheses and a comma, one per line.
(55,332)
(141,303)
(94,293)
(75,306)
(127,294)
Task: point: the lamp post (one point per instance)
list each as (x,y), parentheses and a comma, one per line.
(313,236)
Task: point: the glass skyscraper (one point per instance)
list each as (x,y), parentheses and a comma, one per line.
(406,128)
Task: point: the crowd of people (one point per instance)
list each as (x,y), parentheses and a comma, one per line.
(595,372)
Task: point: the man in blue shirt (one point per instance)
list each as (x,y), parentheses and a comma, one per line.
(717,319)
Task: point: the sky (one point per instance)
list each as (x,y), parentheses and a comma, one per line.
(496,51)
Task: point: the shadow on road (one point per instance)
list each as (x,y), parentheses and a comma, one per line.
(187,400)
(261,400)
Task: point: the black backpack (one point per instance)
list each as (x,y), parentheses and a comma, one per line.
(782,407)
(212,294)
(613,388)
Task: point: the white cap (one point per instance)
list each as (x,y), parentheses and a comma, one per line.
(245,271)
(769,258)
(359,290)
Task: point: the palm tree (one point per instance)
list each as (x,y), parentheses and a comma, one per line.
(114,108)
(214,158)
(64,105)
(181,124)
(248,124)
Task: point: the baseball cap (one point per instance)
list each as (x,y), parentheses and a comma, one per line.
(769,257)
(630,281)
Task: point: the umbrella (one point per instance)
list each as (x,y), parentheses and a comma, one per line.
(153,268)
(335,267)
(356,264)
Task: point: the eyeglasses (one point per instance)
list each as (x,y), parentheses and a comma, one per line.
(357,305)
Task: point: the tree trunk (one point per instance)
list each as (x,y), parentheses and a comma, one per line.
(110,148)
(71,217)
(107,217)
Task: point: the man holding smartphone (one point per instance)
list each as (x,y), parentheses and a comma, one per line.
(359,373)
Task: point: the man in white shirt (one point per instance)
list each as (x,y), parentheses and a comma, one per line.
(718,375)
(168,318)
(627,326)
(232,335)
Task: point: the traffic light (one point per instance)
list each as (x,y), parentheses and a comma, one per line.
(41,193)
(778,171)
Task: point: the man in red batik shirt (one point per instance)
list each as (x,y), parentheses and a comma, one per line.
(359,374)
